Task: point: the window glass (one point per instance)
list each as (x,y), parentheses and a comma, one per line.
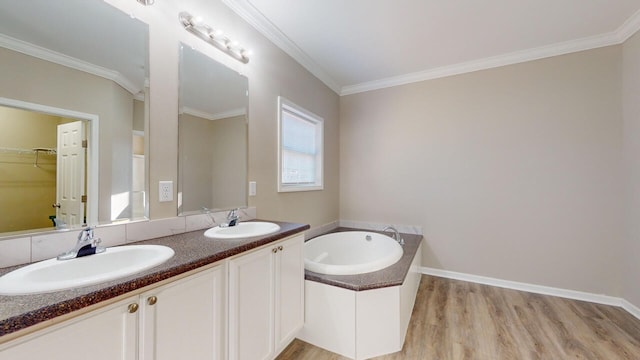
(300,148)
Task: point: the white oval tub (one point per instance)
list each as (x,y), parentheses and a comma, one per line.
(350,253)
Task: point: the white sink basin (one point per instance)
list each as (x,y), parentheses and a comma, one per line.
(53,274)
(242,230)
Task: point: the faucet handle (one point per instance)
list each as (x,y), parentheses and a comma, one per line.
(85,234)
(233,213)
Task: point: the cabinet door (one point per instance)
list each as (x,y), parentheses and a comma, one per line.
(184,319)
(109,333)
(289,293)
(251,306)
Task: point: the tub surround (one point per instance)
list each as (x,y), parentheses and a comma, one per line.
(343,312)
(192,251)
(393,275)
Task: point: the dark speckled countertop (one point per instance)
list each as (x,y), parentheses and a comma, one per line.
(391,276)
(192,250)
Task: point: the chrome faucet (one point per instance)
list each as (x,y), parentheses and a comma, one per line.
(87,244)
(396,234)
(232,218)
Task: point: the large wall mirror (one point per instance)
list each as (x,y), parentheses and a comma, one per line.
(212,135)
(73,113)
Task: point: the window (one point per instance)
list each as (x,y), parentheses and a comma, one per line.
(300,148)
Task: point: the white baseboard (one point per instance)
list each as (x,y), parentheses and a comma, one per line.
(630,308)
(538,289)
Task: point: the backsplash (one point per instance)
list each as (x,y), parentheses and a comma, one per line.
(407,229)
(22,250)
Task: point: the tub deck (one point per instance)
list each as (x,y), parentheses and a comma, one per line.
(393,275)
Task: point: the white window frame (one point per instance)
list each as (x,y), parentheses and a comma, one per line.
(287,106)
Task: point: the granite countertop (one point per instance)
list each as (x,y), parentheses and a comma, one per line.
(192,250)
(391,276)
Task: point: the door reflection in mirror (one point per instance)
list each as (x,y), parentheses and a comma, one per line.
(91,57)
(43,168)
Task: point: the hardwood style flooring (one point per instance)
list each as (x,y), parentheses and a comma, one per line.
(460,320)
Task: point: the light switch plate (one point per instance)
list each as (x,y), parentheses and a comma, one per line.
(252,188)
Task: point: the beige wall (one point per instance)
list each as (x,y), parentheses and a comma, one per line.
(631,106)
(138,115)
(513,173)
(229,179)
(23,79)
(27,191)
(271,73)
(195,165)
(213,163)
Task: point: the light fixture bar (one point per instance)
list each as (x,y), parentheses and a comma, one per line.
(195,26)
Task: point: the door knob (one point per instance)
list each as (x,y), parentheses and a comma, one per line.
(133,308)
(56,205)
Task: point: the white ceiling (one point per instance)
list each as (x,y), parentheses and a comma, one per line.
(87,35)
(209,89)
(360,45)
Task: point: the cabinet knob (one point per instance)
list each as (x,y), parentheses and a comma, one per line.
(132,308)
(152,300)
(274,250)
(280,247)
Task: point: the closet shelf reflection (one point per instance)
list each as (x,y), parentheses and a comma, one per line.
(37,151)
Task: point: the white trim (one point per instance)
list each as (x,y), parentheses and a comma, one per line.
(515,285)
(629,27)
(286,105)
(537,289)
(630,308)
(217,116)
(365,225)
(517,57)
(255,18)
(68,61)
(92,150)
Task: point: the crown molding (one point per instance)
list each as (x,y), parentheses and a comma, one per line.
(68,61)
(619,36)
(216,116)
(484,64)
(255,18)
(250,14)
(628,28)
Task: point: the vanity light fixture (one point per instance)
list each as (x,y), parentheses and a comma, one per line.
(194,25)
(146,2)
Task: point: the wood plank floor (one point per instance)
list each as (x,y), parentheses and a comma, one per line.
(459,320)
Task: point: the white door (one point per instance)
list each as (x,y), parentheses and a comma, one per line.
(70,173)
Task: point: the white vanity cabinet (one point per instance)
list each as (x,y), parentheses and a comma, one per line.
(266,299)
(83,337)
(184,319)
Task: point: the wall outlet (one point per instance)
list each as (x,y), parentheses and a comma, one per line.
(166,191)
(252,188)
